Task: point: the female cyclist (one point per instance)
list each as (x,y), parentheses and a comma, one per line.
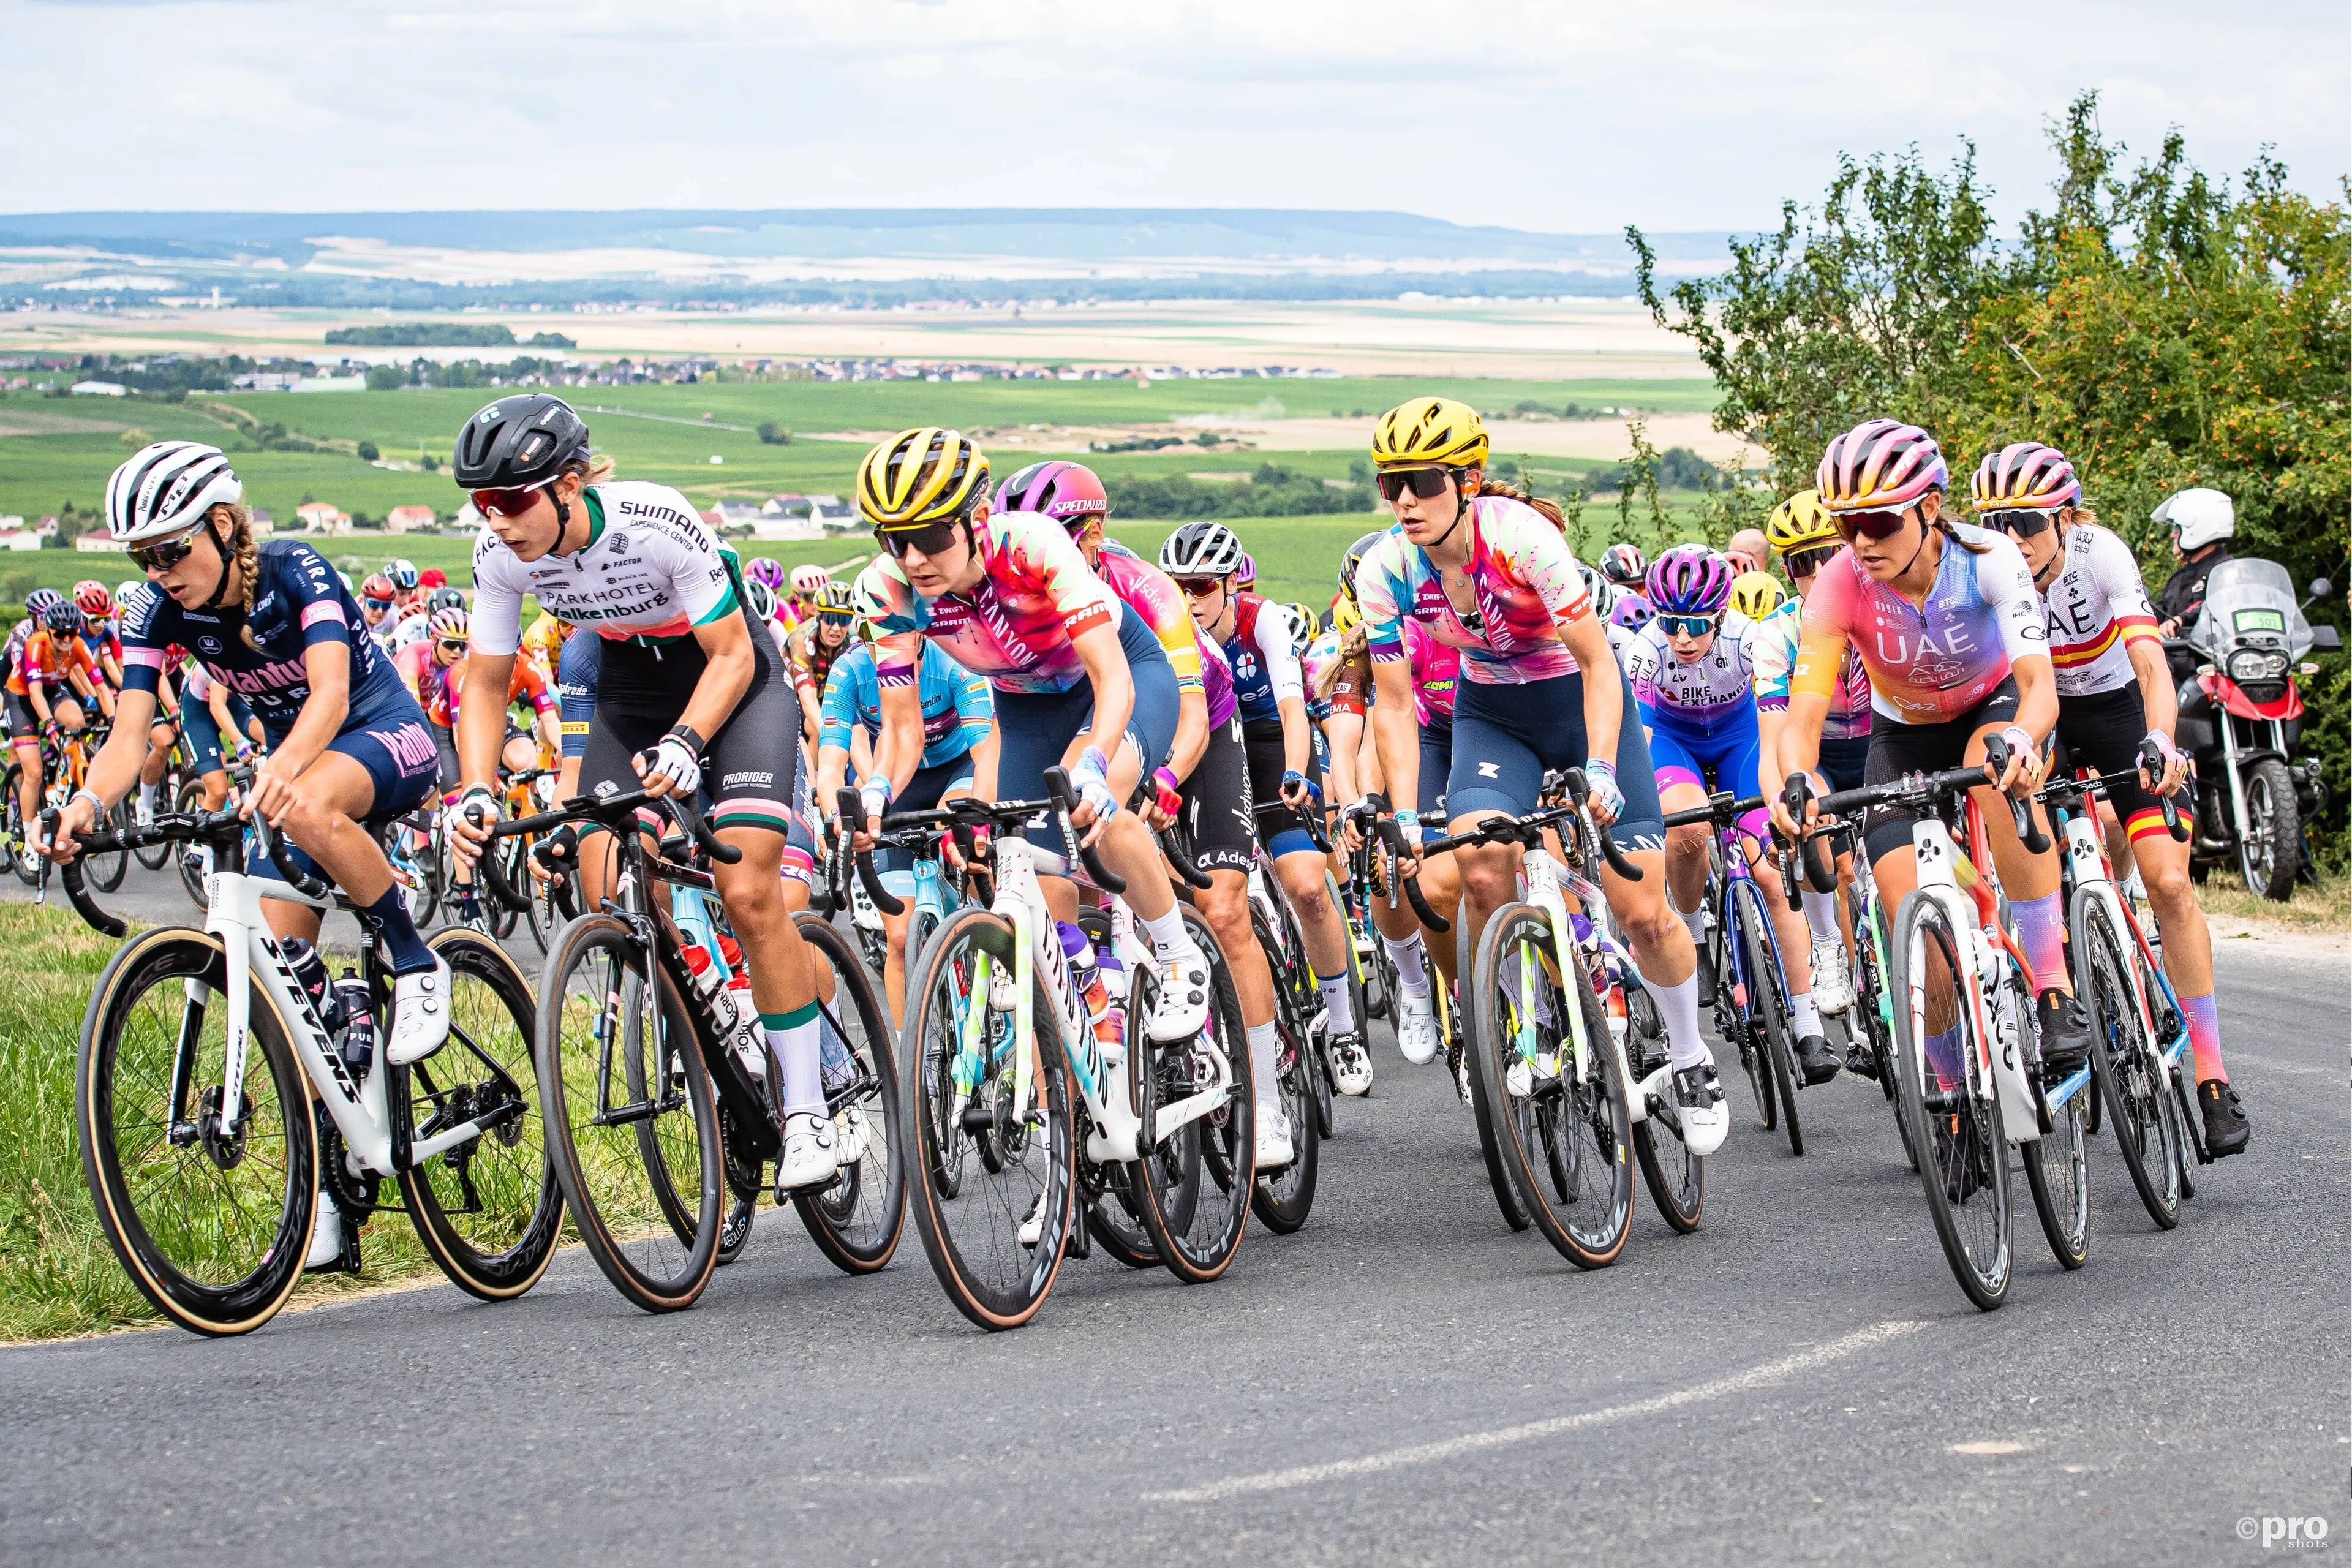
(1490,574)
(690,695)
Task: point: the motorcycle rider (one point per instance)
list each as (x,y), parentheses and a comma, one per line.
(2200,521)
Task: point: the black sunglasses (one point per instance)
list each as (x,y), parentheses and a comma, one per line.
(2020,522)
(1426,483)
(931,538)
(1805,563)
(1870,525)
(169,553)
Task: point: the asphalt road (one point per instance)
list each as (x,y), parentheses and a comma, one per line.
(1403,1381)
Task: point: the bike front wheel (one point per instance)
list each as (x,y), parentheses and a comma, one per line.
(1676,1177)
(632,1125)
(2132,1076)
(857,1219)
(1195,1180)
(1768,1004)
(209,1214)
(1564,1131)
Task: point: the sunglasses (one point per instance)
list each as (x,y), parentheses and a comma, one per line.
(511,502)
(836,617)
(169,553)
(1687,625)
(1870,525)
(1200,587)
(931,538)
(1426,483)
(453,645)
(379,604)
(1805,563)
(2020,522)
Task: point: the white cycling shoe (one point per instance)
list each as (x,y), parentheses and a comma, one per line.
(326,1235)
(1032,1229)
(856,1133)
(1352,1065)
(1416,1032)
(1833,981)
(1274,1150)
(1182,1006)
(1700,1107)
(420,1015)
(811,1155)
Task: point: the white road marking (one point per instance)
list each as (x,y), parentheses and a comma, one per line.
(1477,1442)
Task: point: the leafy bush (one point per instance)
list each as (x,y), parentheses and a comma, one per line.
(1272,491)
(774,434)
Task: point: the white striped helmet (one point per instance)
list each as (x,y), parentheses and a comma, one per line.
(167,488)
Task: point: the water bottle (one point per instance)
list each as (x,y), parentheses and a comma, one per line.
(1110,1029)
(358,1047)
(1086,976)
(309,972)
(710,988)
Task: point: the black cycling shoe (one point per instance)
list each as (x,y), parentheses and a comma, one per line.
(2065,1031)
(1861,1060)
(1968,1176)
(1819,1063)
(2226,1127)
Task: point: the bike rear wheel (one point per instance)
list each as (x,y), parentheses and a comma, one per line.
(16,833)
(2132,1076)
(490,1210)
(1768,1003)
(1490,1148)
(1956,1119)
(1566,1140)
(1284,1198)
(2056,1172)
(167,789)
(211,1220)
(958,1047)
(857,1220)
(633,1128)
(1676,1177)
(1196,1180)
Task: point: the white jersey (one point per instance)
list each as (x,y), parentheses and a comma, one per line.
(404,632)
(1716,686)
(651,568)
(2097,605)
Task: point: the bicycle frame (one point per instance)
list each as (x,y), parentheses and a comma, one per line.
(1735,873)
(1543,893)
(2085,858)
(1606,944)
(1978,923)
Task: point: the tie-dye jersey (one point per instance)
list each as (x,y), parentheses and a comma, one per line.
(1523,582)
(1930,663)
(1711,692)
(1321,657)
(1019,625)
(1153,596)
(1436,671)
(1773,649)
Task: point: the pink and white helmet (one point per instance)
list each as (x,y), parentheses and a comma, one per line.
(1880,465)
(807,580)
(2025,476)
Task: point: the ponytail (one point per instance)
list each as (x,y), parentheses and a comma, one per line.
(247,556)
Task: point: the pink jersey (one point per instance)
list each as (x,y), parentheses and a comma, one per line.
(1018,625)
(1436,669)
(1523,583)
(1929,663)
(1153,594)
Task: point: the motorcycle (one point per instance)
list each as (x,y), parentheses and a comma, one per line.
(2240,716)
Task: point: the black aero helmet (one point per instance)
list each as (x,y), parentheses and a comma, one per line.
(517,442)
(1354,558)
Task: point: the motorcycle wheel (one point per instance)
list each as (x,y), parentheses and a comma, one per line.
(2273,851)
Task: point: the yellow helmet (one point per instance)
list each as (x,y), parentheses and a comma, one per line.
(1799,523)
(1757,595)
(1430,432)
(1346,616)
(920,476)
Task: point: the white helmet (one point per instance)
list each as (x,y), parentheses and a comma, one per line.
(809,579)
(167,488)
(2196,517)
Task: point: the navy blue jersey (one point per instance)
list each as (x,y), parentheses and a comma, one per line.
(298,600)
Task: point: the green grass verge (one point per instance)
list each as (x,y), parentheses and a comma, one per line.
(2325,908)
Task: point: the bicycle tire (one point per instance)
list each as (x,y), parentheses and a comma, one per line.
(989,1275)
(1874,1004)
(857,1220)
(1490,1151)
(154,856)
(1964,1153)
(1284,1199)
(2188,1123)
(13,837)
(162,1252)
(623,1198)
(1559,1181)
(1676,1177)
(186,858)
(1293,973)
(515,1205)
(1767,999)
(1197,1184)
(2056,1175)
(2133,1079)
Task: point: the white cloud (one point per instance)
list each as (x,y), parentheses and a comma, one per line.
(1562,115)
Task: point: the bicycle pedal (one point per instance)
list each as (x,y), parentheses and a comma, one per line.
(1078,1240)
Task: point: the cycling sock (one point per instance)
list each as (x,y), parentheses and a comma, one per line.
(1340,1011)
(1696,920)
(2205,1036)
(1678,1005)
(1821,914)
(1804,1015)
(2042,933)
(1944,1057)
(792,1038)
(1412,975)
(1264,1046)
(1167,934)
(147,797)
(388,918)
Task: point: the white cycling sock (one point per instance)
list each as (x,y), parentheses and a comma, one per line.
(793,1038)
(1821,914)
(1340,1011)
(1263,1044)
(1167,934)
(1412,975)
(1695,919)
(1678,1005)
(1804,1015)
(147,798)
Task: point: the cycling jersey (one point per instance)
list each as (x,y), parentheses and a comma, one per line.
(407,629)
(1774,652)
(813,662)
(2096,606)
(1153,594)
(1019,625)
(1524,587)
(48,660)
(1712,692)
(1927,663)
(448,685)
(1264,664)
(958,707)
(544,642)
(651,569)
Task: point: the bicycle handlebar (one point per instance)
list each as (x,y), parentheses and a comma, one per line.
(1390,834)
(611,811)
(1065,801)
(1173,846)
(70,874)
(2021,812)
(850,808)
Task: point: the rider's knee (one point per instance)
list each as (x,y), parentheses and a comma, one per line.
(1224,904)
(1646,919)
(1686,842)
(2167,886)
(1490,873)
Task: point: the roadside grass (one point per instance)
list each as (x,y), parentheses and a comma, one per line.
(2325,908)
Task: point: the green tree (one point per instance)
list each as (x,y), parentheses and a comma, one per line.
(386,377)
(133,439)
(366,452)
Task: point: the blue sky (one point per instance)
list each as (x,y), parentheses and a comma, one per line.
(1557,114)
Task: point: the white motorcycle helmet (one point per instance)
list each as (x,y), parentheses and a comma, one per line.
(2196,517)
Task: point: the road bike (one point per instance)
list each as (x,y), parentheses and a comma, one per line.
(658,1099)
(1008,1082)
(202,1053)
(1550,1072)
